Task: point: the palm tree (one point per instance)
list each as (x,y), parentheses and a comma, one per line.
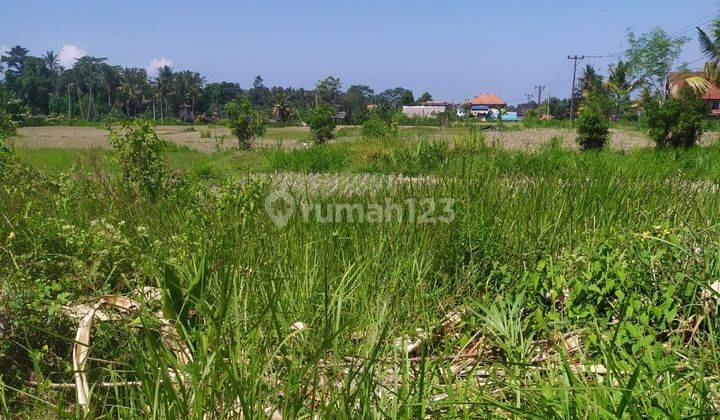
(110,76)
(52,62)
(133,88)
(88,75)
(165,82)
(620,83)
(188,87)
(281,107)
(195,86)
(590,80)
(710,46)
(15,58)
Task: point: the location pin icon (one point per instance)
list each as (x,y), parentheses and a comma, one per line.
(280,206)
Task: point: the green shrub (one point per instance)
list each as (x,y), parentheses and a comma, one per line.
(6,156)
(321,123)
(205,134)
(7,126)
(206,171)
(138,151)
(19,113)
(593,126)
(245,122)
(374,129)
(676,122)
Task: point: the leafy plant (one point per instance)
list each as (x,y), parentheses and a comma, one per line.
(677,122)
(321,123)
(139,152)
(6,156)
(593,123)
(7,126)
(245,122)
(182,293)
(375,129)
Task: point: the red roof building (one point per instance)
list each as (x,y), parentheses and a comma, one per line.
(712,97)
(488,99)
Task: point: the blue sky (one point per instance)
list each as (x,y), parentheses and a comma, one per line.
(453,50)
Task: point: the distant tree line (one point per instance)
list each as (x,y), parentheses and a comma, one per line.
(94,90)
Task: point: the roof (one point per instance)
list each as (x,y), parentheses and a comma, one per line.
(677,79)
(436,103)
(487,99)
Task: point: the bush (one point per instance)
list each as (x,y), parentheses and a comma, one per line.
(375,129)
(7,126)
(6,156)
(379,128)
(138,151)
(18,112)
(676,122)
(245,122)
(593,125)
(321,123)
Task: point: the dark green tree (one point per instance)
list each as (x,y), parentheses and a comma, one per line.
(245,122)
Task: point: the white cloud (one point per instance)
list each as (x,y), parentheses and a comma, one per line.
(158,63)
(4,49)
(68,54)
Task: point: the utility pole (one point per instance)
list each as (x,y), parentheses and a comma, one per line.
(540,89)
(549,97)
(575,59)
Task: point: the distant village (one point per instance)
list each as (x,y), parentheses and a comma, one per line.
(485,107)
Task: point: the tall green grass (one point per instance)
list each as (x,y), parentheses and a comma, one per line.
(613,248)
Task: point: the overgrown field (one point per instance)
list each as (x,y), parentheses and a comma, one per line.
(564,284)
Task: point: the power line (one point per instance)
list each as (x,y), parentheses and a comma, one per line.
(604,56)
(698,22)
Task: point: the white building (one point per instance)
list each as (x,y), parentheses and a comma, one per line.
(427,111)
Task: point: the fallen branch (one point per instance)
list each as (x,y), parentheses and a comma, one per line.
(81,347)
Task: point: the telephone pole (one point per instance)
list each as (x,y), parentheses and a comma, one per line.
(575,59)
(540,89)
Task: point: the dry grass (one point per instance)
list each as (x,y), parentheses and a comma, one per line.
(90,137)
(293,137)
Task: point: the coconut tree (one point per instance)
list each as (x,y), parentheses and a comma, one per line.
(15,58)
(710,46)
(281,108)
(165,82)
(188,87)
(133,88)
(52,63)
(621,83)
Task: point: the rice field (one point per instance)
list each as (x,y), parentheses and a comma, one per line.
(211,139)
(437,277)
